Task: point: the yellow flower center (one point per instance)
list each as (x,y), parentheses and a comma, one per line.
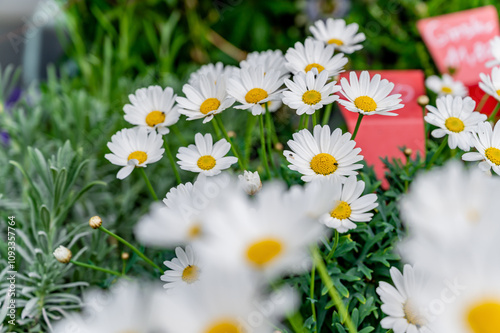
(206,162)
(412,315)
(365,103)
(314,65)
(493,154)
(446,90)
(255,95)
(324,164)
(335,41)
(485,317)
(262,252)
(154,118)
(190,274)
(210,104)
(194,231)
(311,97)
(139,156)
(454,124)
(498,92)
(342,211)
(224,326)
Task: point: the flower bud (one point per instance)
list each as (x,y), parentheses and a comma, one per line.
(125,255)
(250,182)
(423,100)
(62,254)
(95,222)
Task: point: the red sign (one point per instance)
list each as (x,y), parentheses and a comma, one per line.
(382,136)
(461,41)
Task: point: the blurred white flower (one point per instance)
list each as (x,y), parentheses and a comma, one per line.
(446,86)
(152,108)
(369,96)
(495,51)
(323,154)
(270,60)
(344,38)
(455,117)
(215,70)
(134,147)
(250,182)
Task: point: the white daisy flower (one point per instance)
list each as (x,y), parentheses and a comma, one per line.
(205,157)
(310,92)
(323,154)
(205,99)
(369,96)
(250,182)
(152,108)
(177,220)
(350,205)
(133,148)
(446,86)
(227,302)
(455,117)
(270,60)
(487,142)
(314,54)
(184,269)
(254,87)
(399,302)
(491,84)
(344,38)
(126,307)
(495,51)
(215,70)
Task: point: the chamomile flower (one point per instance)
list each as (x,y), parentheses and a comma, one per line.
(455,117)
(487,142)
(250,182)
(350,205)
(344,38)
(254,87)
(206,99)
(310,92)
(369,96)
(152,108)
(323,154)
(205,157)
(314,54)
(134,148)
(270,60)
(215,70)
(495,51)
(445,86)
(491,84)
(184,269)
(399,302)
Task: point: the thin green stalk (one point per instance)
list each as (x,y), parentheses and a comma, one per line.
(314,120)
(494,112)
(216,128)
(437,153)
(172,163)
(311,296)
(248,136)
(360,117)
(334,295)
(306,121)
(148,183)
(124,265)
(334,247)
(425,130)
(301,121)
(326,115)
(96,268)
(482,102)
(263,146)
(133,248)
(269,121)
(233,146)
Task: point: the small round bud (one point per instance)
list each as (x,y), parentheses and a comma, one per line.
(278,146)
(62,254)
(408,152)
(125,255)
(423,100)
(95,222)
(231,134)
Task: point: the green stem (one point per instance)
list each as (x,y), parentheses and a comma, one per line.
(311,296)
(326,115)
(334,247)
(494,112)
(248,136)
(148,183)
(269,122)
(172,163)
(482,102)
(133,248)
(437,153)
(216,128)
(314,120)
(334,295)
(360,117)
(233,147)
(425,130)
(306,121)
(124,265)
(81,264)
(263,146)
